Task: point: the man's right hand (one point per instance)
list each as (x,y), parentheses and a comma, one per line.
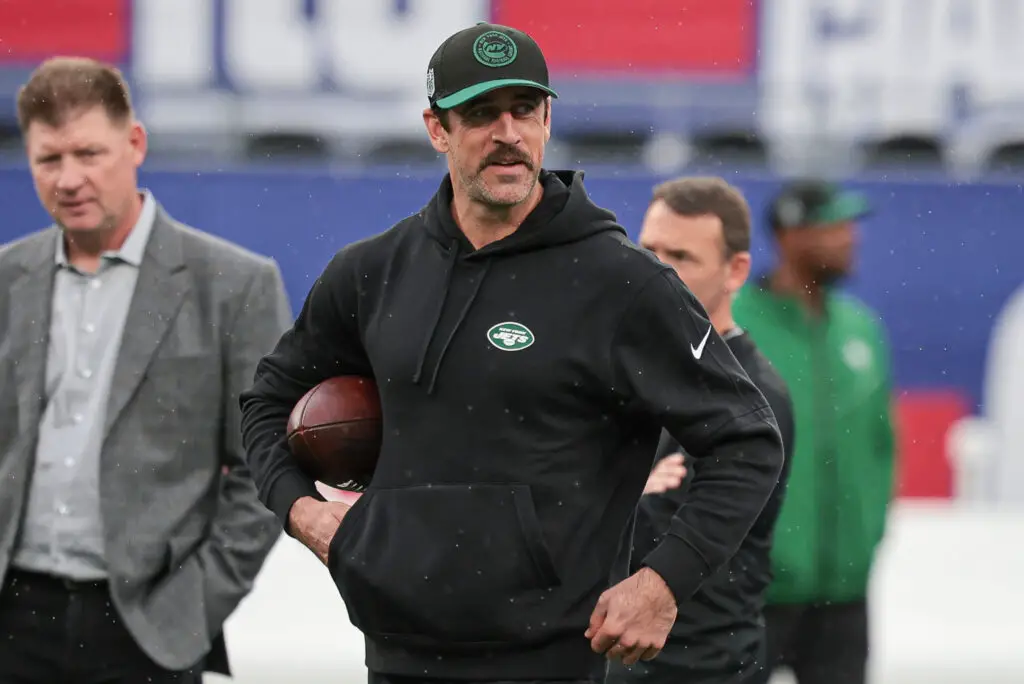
(314,523)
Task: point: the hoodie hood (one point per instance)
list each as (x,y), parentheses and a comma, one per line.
(565,215)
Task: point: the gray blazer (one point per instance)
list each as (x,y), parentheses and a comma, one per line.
(185,534)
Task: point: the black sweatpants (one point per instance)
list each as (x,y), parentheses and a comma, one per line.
(375,678)
(820,643)
(683,663)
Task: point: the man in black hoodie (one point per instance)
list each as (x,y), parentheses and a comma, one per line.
(527,356)
(701,228)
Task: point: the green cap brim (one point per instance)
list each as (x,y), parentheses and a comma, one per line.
(847,206)
(467,94)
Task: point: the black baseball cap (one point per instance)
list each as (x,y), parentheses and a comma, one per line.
(483,58)
(810,203)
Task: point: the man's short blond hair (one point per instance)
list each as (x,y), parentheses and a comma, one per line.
(63,86)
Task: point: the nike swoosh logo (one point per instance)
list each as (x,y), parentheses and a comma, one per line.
(698,351)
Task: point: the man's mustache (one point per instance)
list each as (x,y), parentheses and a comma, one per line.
(509,156)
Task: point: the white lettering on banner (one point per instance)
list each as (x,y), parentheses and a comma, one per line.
(270,45)
(274,45)
(173,43)
(352,68)
(372,47)
(886,67)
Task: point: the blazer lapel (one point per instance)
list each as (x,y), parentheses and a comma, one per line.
(159,292)
(29,321)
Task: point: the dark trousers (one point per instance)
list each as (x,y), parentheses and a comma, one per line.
(677,664)
(375,678)
(53,630)
(820,643)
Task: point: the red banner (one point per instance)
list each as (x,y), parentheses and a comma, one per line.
(32,30)
(715,37)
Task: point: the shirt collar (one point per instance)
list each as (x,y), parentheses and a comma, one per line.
(134,246)
(732,332)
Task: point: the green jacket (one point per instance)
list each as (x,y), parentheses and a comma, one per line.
(841,479)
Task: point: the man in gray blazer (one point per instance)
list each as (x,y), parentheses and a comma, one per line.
(129,526)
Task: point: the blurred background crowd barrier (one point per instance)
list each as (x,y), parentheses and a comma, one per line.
(293,127)
(839,86)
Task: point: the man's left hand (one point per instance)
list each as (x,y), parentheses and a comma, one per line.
(632,619)
(668,473)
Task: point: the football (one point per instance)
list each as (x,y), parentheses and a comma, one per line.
(335,432)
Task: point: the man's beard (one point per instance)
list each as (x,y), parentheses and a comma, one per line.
(478,189)
(830,275)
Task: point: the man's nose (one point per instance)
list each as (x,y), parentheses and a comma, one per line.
(505,130)
(70,178)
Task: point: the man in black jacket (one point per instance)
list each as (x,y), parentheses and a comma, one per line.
(527,356)
(701,227)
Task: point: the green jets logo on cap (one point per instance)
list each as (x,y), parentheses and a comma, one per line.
(495,49)
(510,336)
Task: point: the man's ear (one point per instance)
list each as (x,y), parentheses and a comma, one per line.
(435,129)
(547,119)
(739,271)
(139,140)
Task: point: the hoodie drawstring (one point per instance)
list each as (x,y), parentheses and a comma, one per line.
(455,328)
(453,255)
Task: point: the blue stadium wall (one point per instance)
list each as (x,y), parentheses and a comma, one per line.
(937,260)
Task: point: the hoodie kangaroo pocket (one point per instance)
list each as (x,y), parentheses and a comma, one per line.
(450,563)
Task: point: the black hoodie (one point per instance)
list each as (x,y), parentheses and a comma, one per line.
(524,386)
